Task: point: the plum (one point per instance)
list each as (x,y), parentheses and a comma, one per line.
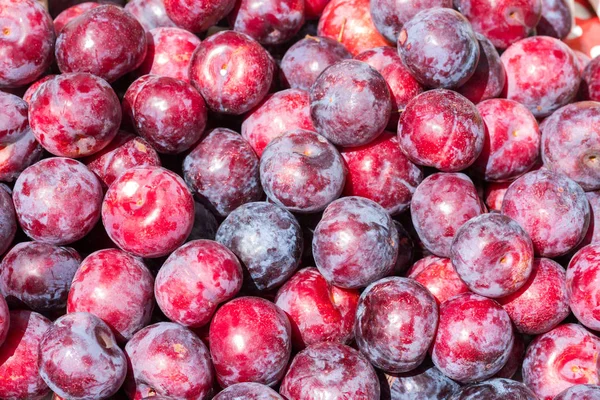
(248,391)
(556,20)
(582,290)
(590,80)
(580,392)
(8,219)
(17,156)
(150,14)
(71,13)
(14,122)
(439,277)
(197,16)
(495,389)
(423,383)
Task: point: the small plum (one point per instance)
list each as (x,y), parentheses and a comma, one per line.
(495,389)
(582,273)
(590,82)
(248,391)
(13,118)
(197,16)
(71,13)
(8,219)
(556,20)
(439,277)
(17,156)
(580,392)
(423,383)
(151,14)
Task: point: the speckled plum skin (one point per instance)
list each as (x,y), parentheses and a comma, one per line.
(495,389)
(512,140)
(396,321)
(332,371)
(474,338)
(267,240)
(350,23)
(27,42)
(106,41)
(250,341)
(232,72)
(17,156)
(13,118)
(441,129)
(195,279)
(76,340)
(318,311)
(571,143)
(150,14)
(582,289)
(442,203)
(439,277)
(556,20)
(564,357)
(542,73)
(350,123)
(57,200)
(74,115)
(148,211)
(551,208)
(71,13)
(197,16)
(590,82)
(302,171)
(423,383)
(166,359)
(38,276)
(279,113)
(355,243)
(19,376)
(379,171)
(248,391)
(8,219)
(321,51)
(580,392)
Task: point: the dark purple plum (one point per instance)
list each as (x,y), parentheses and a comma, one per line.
(580,392)
(248,391)
(556,20)
(495,389)
(423,383)
(8,219)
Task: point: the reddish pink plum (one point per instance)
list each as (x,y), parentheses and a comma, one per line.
(330,371)
(129,100)
(148,211)
(583,293)
(19,376)
(495,389)
(542,303)
(441,204)
(302,171)
(583,60)
(57,200)
(556,20)
(248,391)
(38,276)
(542,73)
(593,232)
(17,156)
(197,16)
(318,311)
(166,359)
(350,23)
(322,52)
(232,72)
(439,277)
(71,13)
(474,338)
(350,123)
(151,14)
(580,392)
(396,321)
(551,208)
(515,358)
(106,41)
(8,219)
(13,118)
(169,53)
(571,143)
(74,115)
(250,341)
(564,357)
(441,129)
(314,8)
(267,240)
(423,383)
(81,340)
(195,279)
(34,87)
(494,194)
(281,112)
(379,171)
(355,243)
(590,80)
(27,34)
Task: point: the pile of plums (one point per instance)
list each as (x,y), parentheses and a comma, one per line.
(298,200)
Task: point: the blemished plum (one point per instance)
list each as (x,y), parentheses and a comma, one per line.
(321,51)
(439,277)
(551,208)
(166,359)
(302,171)
(76,340)
(355,243)
(542,73)
(151,14)
(582,273)
(495,389)
(474,338)
(350,123)
(493,255)
(232,72)
(57,200)
(494,194)
(38,276)
(248,391)
(195,279)
(571,143)
(19,376)
(267,240)
(512,140)
(27,42)
(223,171)
(580,392)
(542,303)
(13,118)
(74,115)
(590,80)
(442,203)
(396,321)
(318,311)
(379,171)
(250,341)
(148,211)
(17,156)
(423,383)
(564,357)
(332,371)
(8,219)
(441,129)
(279,113)
(197,16)
(556,20)
(71,13)
(106,41)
